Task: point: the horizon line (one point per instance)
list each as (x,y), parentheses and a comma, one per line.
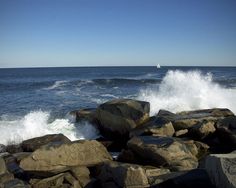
(105,66)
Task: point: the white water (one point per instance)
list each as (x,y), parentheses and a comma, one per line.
(191,90)
(37,123)
(57,84)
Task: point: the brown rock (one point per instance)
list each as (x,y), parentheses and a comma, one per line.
(60,180)
(54,158)
(81,173)
(118,117)
(129,175)
(35,143)
(157,126)
(202,129)
(163,151)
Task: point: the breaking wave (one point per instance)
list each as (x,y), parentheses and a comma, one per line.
(191,90)
(37,123)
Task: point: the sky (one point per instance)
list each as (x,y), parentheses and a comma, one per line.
(48,33)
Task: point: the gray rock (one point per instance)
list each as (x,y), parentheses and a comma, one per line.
(222,169)
(118,117)
(163,151)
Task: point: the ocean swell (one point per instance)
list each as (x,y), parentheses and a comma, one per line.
(191,90)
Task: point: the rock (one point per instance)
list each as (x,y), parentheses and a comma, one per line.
(167,115)
(127,156)
(13,167)
(222,169)
(197,178)
(163,151)
(81,173)
(226,130)
(214,112)
(2,148)
(202,129)
(59,180)
(181,132)
(157,126)
(118,117)
(54,158)
(88,114)
(35,143)
(129,175)
(16,183)
(187,119)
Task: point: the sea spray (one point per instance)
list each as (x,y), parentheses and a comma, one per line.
(190,90)
(36,123)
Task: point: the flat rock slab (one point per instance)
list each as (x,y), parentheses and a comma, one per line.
(222,169)
(53,158)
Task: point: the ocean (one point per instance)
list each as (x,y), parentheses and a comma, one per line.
(36,101)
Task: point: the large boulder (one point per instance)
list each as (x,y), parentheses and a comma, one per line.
(156,126)
(35,143)
(55,158)
(163,151)
(118,117)
(222,169)
(129,175)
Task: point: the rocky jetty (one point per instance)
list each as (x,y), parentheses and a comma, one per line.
(168,150)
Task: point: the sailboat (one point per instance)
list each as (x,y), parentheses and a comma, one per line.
(158,66)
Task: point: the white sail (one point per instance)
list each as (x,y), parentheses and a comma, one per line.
(158,66)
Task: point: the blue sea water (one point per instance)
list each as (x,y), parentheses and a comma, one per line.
(36,101)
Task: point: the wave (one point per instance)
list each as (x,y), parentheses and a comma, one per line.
(36,123)
(188,91)
(56,85)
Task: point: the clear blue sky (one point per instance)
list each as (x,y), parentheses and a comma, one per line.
(117,32)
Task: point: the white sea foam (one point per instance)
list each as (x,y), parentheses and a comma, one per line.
(188,91)
(37,123)
(56,85)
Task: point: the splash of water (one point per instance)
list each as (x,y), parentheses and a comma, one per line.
(191,90)
(37,123)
